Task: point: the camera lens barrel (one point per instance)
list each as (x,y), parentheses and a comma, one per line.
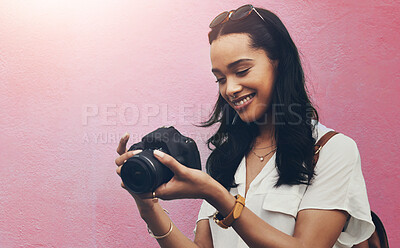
(143,172)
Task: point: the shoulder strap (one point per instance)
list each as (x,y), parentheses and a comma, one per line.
(321,142)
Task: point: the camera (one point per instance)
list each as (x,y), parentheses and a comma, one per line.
(143,172)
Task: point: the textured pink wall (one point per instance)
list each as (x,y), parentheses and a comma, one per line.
(76,75)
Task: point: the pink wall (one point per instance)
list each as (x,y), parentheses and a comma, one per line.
(76,75)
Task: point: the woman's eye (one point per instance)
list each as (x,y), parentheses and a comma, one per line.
(242,73)
(220,80)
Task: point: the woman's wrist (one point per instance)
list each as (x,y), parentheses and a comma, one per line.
(220,198)
(147,210)
(159,225)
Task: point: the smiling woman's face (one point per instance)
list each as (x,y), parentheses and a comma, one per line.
(244,72)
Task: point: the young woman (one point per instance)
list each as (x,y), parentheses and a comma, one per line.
(261,179)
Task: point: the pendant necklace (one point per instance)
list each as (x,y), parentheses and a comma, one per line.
(262,157)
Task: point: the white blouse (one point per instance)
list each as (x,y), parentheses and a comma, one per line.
(338,184)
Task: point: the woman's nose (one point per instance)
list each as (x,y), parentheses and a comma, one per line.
(232,88)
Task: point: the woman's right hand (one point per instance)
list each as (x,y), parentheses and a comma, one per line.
(144,202)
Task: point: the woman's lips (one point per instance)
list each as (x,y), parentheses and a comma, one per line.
(245,104)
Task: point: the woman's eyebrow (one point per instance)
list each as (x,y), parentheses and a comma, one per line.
(233,64)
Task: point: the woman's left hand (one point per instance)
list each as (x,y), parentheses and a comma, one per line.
(186,183)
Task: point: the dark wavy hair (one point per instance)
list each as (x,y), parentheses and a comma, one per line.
(292,111)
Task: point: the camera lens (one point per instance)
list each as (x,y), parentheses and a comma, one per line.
(144,173)
(139,175)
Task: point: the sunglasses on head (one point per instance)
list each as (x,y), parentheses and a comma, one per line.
(234,15)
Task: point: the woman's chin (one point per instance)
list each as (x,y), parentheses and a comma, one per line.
(260,119)
(248,118)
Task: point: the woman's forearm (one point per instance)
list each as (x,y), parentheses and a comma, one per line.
(257,233)
(314,227)
(159,223)
(251,228)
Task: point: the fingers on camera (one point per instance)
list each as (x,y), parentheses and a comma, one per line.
(120,151)
(122,144)
(121,159)
(171,163)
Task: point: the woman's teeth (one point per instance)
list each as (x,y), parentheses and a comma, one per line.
(244,100)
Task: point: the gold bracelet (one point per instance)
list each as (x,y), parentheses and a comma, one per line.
(161,236)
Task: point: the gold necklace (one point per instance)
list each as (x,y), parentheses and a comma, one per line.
(264,147)
(262,157)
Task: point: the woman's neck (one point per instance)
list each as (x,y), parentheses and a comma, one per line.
(267,134)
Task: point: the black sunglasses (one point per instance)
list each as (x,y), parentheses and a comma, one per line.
(234,15)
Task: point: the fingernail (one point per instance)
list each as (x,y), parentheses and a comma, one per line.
(159,153)
(125,135)
(136,152)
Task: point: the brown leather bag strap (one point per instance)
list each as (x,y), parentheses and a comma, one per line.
(321,142)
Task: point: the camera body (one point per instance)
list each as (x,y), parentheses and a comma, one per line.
(143,172)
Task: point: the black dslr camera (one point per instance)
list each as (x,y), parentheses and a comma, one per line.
(144,173)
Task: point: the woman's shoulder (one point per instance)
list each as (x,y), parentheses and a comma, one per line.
(320,130)
(339,145)
(339,184)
